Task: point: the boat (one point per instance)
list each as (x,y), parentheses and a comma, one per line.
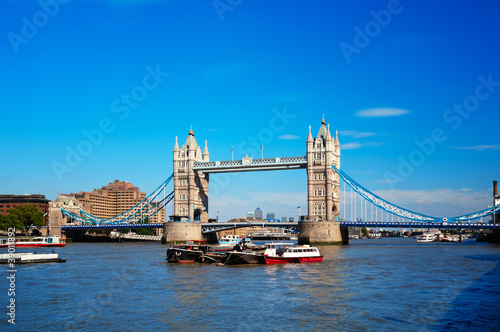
(39,241)
(426,237)
(279,253)
(29,257)
(190,252)
(232,240)
(244,257)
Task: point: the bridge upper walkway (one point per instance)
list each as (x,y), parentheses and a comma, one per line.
(249,164)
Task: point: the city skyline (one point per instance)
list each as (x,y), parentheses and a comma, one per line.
(98,91)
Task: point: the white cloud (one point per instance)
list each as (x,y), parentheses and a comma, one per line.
(358,145)
(351,146)
(356,134)
(478,147)
(381,112)
(289,137)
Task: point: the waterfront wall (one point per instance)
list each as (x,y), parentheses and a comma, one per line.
(181,232)
(319,232)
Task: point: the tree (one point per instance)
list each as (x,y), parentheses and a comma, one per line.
(145,231)
(26,215)
(364,231)
(9,221)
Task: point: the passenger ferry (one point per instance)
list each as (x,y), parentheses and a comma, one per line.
(279,253)
(39,241)
(427,237)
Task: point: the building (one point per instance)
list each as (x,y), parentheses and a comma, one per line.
(190,187)
(270,216)
(323,190)
(114,199)
(56,218)
(251,214)
(257,213)
(9,201)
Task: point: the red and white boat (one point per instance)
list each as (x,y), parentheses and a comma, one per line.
(280,253)
(39,241)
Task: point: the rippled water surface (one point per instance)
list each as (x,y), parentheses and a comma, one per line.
(370,285)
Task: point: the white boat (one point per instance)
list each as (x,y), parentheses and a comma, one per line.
(232,240)
(279,253)
(39,241)
(426,237)
(29,257)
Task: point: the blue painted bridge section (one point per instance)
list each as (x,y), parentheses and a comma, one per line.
(292,226)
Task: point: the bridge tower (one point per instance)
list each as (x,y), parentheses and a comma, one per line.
(190,186)
(323,191)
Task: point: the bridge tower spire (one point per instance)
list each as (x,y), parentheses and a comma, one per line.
(190,186)
(323,190)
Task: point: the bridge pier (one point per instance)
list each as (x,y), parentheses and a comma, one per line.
(321,232)
(181,232)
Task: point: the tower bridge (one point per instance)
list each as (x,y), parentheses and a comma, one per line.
(192,169)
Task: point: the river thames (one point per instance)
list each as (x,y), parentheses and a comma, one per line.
(370,285)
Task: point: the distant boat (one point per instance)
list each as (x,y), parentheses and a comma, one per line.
(279,253)
(232,240)
(426,237)
(39,241)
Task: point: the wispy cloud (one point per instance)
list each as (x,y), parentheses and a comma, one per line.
(477,147)
(225,71)
(289,137)
(358,145)
(356,134)
(381,112)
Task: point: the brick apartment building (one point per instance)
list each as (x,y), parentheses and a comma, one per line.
(9,201)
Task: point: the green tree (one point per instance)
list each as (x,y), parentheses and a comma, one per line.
(9,221)
(145,231)
(26,215)
(364,231)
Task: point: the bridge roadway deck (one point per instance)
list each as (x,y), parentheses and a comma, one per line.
(216,227)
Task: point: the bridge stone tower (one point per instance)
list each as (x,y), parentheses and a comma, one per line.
(190,186)
(323,191)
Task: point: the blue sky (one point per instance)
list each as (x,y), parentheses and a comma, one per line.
(413,87)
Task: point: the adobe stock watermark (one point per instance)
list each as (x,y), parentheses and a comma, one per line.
(251,146)
(453,116)
(122,107)
(223,6)
(31,26)
(363,37)
(11,277)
